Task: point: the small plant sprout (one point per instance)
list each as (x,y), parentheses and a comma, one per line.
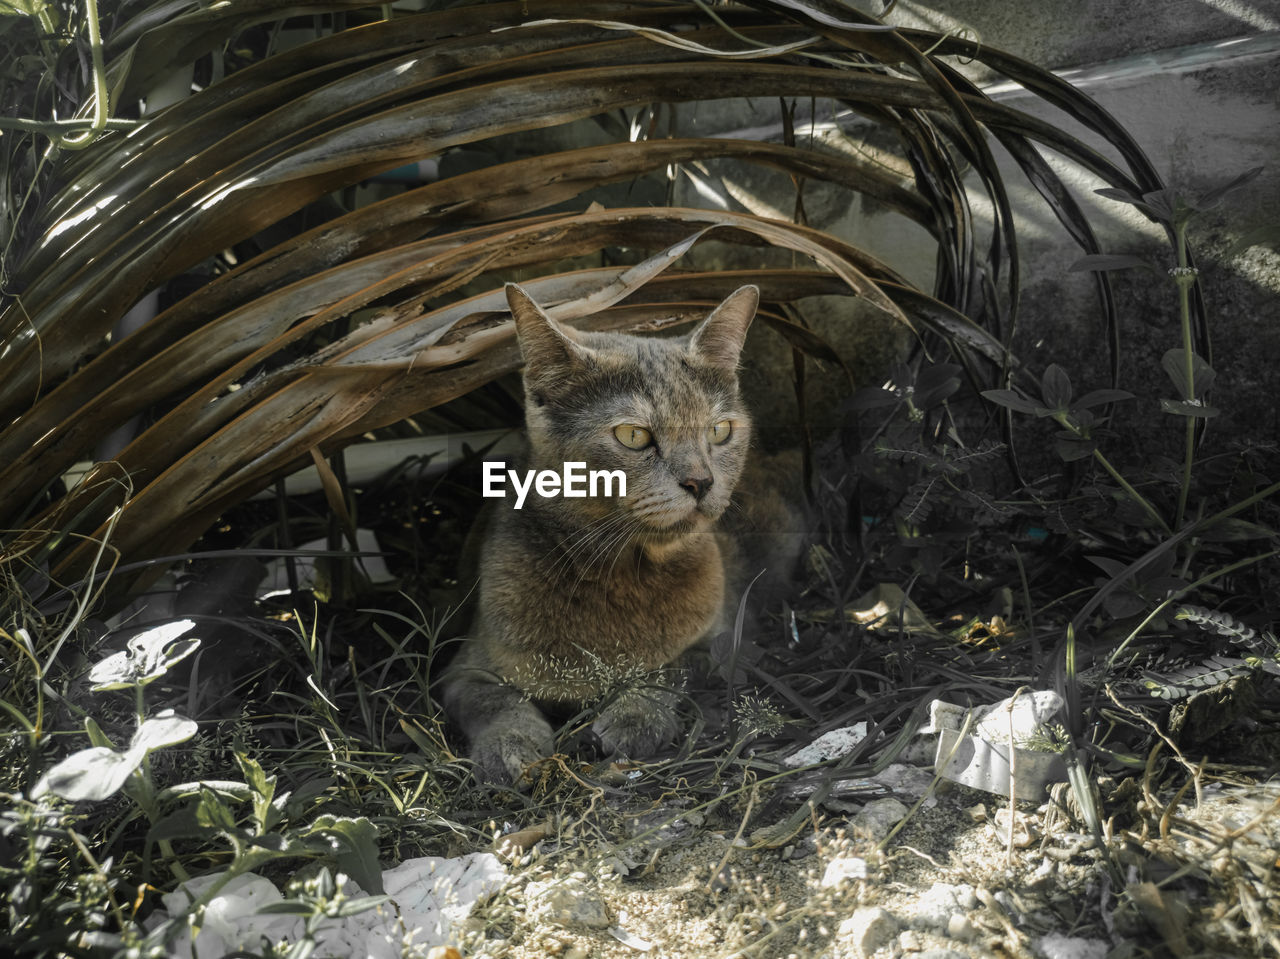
(1191,373)
(101,770)
(148,657)
(1077,440)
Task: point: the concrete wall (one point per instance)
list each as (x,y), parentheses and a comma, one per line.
(1198,86)
(1196,83)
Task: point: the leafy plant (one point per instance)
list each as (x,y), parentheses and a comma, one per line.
(198,810)
(277,338)
(293,319)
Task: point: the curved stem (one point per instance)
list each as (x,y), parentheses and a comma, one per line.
(1065,421)
(56,128)
(101,106)
(1131,492)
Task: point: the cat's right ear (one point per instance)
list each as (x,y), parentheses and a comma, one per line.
(549,353)
(719,339)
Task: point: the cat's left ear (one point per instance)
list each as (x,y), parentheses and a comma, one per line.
(719,339)
(549,351)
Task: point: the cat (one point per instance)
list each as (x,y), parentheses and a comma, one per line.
(579,595)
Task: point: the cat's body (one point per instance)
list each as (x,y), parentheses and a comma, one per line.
(579,594)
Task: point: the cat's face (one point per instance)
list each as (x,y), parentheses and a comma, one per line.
(666,412)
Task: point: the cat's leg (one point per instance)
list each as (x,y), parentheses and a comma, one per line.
(639,720)
(505,732)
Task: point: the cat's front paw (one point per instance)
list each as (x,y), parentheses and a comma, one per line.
(637,723)
(504,751)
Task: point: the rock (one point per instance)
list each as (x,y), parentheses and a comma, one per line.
(878,817)
(830,745)
(567,901)
(935,907)
(868,929)
(844,869)
(1026,830)
(906,780)
(959,926)
(1057,946)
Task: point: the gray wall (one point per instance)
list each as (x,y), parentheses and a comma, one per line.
(1196,83)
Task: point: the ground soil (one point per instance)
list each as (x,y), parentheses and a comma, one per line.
(954,882)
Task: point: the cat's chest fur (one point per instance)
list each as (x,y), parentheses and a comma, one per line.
(564,627)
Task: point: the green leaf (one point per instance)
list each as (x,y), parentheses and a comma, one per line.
(22,8)
(1181,683)
(166,728)
(1189,408)
(1014,401)
(937,383)
(1157,205)
(213,813)
(149,656)
(415,735)
(1055,387)
(1261,236)
(1232,530)
(286,907)
(1215,196)
(94,773)
(266,812)
(1100,398)
(353,907)
(1162,203)
(1071,447)
(96,735)
(254,776)
(1174,363)
(302,949)
(182,823)
(355,848)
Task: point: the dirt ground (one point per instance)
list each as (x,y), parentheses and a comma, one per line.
(1186,875)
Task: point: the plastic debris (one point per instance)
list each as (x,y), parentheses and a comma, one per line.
(429,897)
(982,757)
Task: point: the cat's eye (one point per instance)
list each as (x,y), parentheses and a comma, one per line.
(720,433)
(632,436)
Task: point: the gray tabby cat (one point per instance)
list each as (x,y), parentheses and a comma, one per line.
(578,594)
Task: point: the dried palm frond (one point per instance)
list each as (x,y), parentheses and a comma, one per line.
(393,308)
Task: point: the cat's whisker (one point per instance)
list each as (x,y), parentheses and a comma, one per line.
(589,553)
(629,540)
(622,534)
(601,530)
(580,540)
(620,537)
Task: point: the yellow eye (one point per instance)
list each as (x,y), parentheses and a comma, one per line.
(720,433)
(632,437)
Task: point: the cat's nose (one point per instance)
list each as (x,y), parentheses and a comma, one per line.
(697,485)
